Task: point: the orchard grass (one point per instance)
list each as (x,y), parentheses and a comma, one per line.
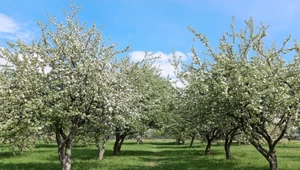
(152,154)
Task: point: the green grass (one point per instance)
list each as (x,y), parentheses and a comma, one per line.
(152,154)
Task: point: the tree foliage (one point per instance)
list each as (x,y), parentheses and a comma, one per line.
(244,85)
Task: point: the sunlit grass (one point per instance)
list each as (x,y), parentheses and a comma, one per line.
(152,154)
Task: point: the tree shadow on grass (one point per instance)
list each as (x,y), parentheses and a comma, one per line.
(4,155)
(163,143)
(186,153)
(289,157)
(47,146)
(175,147)
(30,166)
(91,154)
(136,153)
(287,146)
(182,159)
(179,158)
(199,163)
(55,165)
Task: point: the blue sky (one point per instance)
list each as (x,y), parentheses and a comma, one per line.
(154,25)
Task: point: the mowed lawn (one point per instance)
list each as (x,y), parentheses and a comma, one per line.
(152,154)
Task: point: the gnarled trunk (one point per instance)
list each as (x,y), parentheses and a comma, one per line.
(269,155)
(67,157)
(272,159)
(64,143)
(118,143)
(227,148)
(210,135)
(192,141)
(208,146)
(101,153)
(64,153)
(228,141)
(101,149)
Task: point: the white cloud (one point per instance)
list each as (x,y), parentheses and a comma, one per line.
(8,24)
(137,55)
(10,29)
(162,63)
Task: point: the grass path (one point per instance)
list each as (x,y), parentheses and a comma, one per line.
(154,157)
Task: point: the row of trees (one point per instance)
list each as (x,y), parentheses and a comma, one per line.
(243,87)
(70,85)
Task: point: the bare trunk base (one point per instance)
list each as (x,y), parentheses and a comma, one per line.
(228,141)
(64,143)
(64,154)
(118,143)
(67,163)
(139,140)
(101,154)
(192,141)
(227,146)
(210,136)
(228,153)
(272,159)
(101,149)
(269,155)
(207,149)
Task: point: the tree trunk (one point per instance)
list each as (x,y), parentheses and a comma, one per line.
(192,141)
(272,159)
(269,155)
(100,154)
(227,147)
(20,146)
(64,143)
(121,142)
(207,149)
(210,135)
(67,158)
(139,139)
(64,154)
(118,138)
(118,143)
(228,141)
(101,149)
